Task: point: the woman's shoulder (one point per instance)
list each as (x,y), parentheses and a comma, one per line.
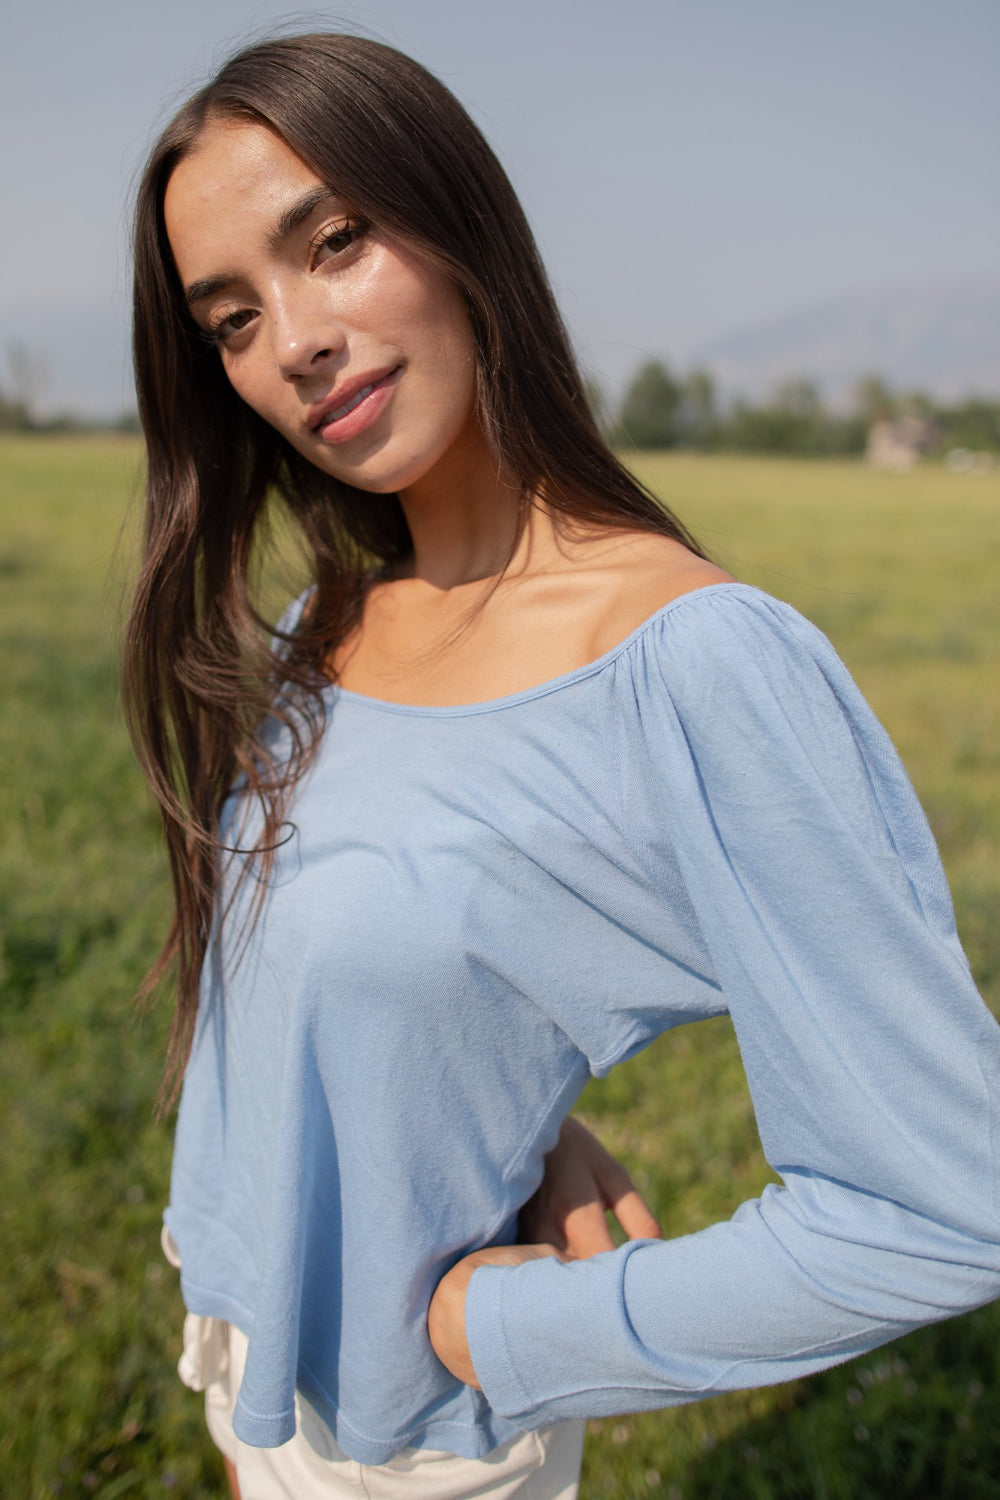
(689,638)
(735,675)
(658,600)
(651,590)
(639,576)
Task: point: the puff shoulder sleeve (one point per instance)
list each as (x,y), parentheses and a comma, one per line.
(873,1064)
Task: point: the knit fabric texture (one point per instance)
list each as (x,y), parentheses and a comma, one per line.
(476,908)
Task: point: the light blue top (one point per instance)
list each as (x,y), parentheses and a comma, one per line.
(478,907)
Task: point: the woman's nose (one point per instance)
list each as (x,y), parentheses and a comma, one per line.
(306,337)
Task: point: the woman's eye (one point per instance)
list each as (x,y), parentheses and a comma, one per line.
(336,238)
(224,328)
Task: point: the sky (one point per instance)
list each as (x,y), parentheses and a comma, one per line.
(689,168)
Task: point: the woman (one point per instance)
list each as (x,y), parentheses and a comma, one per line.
(524,781)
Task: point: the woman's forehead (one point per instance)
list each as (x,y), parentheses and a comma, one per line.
(239,180)
(235,157)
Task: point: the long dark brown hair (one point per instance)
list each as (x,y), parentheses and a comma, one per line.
(199,677)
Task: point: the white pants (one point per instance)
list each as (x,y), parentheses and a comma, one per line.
(542,1465)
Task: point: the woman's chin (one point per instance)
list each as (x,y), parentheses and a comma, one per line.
(376,478)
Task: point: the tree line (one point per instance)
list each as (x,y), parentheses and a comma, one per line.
(661,410)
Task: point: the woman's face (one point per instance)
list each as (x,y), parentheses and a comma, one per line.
(359,352)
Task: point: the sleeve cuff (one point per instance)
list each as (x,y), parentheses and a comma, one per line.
(487,1339)
(541,1334)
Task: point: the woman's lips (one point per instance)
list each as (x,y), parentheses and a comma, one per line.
(345,422)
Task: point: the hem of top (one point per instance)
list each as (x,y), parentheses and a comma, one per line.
(450,1437)
(467,1439)
(209,1302)
(272,1429)
(474,1439)
(447,1437)
(541,689)
(263,1432)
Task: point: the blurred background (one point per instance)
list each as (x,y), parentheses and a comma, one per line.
(773,229)
(782,199)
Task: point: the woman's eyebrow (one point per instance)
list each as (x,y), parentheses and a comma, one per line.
(291,219)
(207,287)
(297,213)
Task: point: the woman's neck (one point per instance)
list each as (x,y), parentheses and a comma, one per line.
(467,521)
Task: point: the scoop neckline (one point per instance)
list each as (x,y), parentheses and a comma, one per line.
(540,689)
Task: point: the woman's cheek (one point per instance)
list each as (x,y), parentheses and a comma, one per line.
(256,392)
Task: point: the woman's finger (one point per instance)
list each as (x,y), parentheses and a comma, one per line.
(627,1204)
(635,1216)
(586,1232)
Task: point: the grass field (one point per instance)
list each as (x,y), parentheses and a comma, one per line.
(902,573)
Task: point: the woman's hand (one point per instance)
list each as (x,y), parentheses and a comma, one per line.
(581,1182)
(565,1218)
(446,1314)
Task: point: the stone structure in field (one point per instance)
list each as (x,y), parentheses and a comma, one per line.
(897,444)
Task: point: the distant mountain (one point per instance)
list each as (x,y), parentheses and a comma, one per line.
(940,336)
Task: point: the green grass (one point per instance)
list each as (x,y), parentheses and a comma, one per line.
(900,571)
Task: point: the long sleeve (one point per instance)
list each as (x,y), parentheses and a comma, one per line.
(873,1064)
